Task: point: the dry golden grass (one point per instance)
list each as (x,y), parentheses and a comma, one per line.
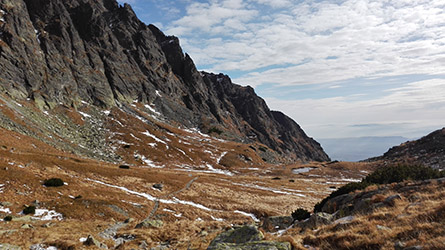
(415,223)
(255,187)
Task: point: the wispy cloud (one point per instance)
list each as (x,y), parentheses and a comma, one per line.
(293,45)
(412,110)
(322,41)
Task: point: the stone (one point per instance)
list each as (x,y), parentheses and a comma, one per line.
(42,247)
(5,204)
(391,200)
(257,245)
(245,238)
(275,223)
(343,222)
(26,218)
(239,235)
(363,205)
(128,220)
(413,248)
(379,227)
(91,241)
(158,186)
(150,224)
(9,247)
(26,226)
(143,245)
(399,245)
(316,220)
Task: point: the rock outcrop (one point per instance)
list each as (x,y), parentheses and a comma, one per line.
(428,150)
(64,52)
(245,238)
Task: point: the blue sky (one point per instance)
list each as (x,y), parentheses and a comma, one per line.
(340,68)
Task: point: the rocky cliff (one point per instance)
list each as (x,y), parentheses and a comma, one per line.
(67,52)
(428,150)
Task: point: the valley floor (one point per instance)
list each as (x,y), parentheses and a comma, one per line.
(192,206)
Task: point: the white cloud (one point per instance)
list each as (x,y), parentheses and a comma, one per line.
(214,17)
(410,111)
(325,43)
(368,38)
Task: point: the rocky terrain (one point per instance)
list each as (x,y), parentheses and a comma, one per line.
(110,138)
(428,150)
(64,53)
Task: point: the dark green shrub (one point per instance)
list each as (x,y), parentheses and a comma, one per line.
(401,173)
(29,210)
(300,214)
(385,175)
(8,218)
(215,130)
(53,182)
(346,189)
(124,167)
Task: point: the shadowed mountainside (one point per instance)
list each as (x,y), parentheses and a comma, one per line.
(64,52)
(428,150)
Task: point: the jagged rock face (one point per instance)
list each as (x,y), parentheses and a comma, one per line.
(64,52)
(428,150)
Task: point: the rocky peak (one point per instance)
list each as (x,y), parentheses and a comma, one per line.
(428,150)
(65,52)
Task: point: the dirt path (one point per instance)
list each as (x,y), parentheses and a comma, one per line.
(156,206)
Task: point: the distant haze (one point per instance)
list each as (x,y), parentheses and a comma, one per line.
(360,148)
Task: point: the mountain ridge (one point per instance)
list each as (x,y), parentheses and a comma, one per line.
(428,150)
(63,53)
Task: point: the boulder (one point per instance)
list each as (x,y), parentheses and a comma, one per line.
(391,200)
(239,235)
(316,220)
(150,224)
(158,186)
(257,245)
(9,247)
(275,223)
(245,238)
(91,241)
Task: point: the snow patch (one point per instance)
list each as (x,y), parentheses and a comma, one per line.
(152,110)
(254,218)
(190,203)
(45,214)
(219,171)
(216,219)
(106,112)
(182,151)
(137,138)
(158,93)
(84,114)
(351,180)
(220,157)
(5,210)
(152,198)
(132,203)
(302,170)
(147,133)
(148,162)
(83,239)
(173,212)
(273,190)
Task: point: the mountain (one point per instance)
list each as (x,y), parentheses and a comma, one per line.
(428,150)
(359,148)
(68,53)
